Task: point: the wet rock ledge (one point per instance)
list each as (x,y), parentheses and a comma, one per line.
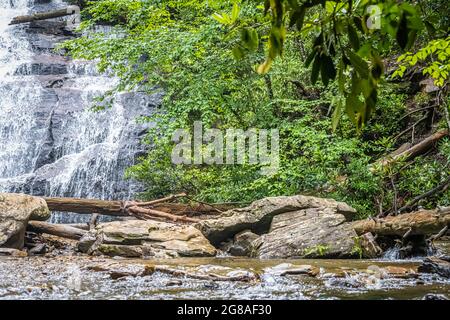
(271,228)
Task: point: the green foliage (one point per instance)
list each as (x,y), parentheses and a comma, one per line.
(348,39)
(317,251)
(357,249)
(436,55)
(188,50)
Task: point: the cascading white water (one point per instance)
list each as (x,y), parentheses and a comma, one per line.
(51,143)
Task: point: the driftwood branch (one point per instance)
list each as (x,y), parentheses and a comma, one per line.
(59,230)
(144,213)
(424,222)
(43,16)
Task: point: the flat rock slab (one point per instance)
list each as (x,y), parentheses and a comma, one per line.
(310,233)
(136,238)
(15,212)
(258,216)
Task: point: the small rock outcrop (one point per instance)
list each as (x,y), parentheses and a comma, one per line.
(15,212)
(137,238)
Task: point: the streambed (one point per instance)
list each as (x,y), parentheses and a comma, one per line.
(72,277)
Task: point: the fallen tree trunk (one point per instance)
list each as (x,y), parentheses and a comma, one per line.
(86,206)
(117,208)
(424,222)
(413,151)
(59,230)
(43,15)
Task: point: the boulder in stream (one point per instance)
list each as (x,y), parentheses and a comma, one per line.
(436,265)
(310,233)
(137,238)
(15,212)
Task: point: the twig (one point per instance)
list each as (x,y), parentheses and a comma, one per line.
(410,128)
(204,203)
(437,236)
(153,202)
(415,111)
(438,189)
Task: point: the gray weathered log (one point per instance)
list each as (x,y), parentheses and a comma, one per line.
(43,16)
(59,230)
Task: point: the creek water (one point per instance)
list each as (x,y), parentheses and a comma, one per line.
(70,278)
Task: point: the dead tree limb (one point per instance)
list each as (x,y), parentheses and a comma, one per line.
(414,151)
(43,16)
(59,230)
(436,190)
(144,213)
(166,199)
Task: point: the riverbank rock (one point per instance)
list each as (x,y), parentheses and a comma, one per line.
(137,238)
(311,233)
(243,244)
(436,265)
(258,216)
(15,212)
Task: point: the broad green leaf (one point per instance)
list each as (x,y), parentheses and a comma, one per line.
(327,70)
(359,64)
(353,37)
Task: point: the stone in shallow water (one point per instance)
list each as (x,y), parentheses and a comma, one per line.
(134,238)
(12,252)
(286,269)
(15,212)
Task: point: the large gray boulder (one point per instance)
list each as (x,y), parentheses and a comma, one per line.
(15,212)
(258,216)
(310,233)
(137,238)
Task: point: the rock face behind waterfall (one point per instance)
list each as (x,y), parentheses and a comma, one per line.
(15,212)
(291,227)
(137,238)
(52,143)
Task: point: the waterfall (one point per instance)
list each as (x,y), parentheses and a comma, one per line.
(51,142)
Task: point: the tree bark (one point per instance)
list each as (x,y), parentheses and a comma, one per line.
(87,206)
(42,16)
(414,151)
(119,208)
(59,230)
(424,222)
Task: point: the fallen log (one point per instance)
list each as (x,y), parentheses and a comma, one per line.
(424,222)
(59,230)
(118,208)
(413,151)
(44,15)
